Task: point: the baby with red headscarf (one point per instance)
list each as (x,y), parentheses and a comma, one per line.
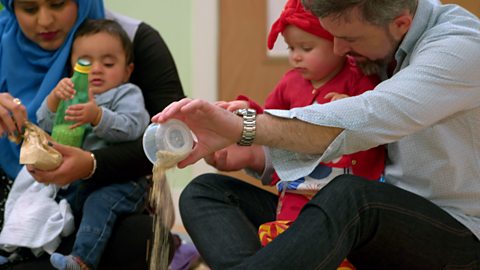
(318,76)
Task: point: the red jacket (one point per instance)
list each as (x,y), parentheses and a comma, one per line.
(294,91)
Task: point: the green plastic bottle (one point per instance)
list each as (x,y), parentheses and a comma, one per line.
(62,133)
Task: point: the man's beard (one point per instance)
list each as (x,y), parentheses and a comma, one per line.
(372,67)
(379,66)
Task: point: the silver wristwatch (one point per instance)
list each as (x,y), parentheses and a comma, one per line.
(249,123)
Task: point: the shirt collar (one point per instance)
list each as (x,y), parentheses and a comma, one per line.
(420,24)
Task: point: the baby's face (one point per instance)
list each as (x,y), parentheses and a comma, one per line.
(311,55)
(105,52)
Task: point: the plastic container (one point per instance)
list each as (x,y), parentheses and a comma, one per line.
(172,136)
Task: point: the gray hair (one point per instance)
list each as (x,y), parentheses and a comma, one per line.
(377,12)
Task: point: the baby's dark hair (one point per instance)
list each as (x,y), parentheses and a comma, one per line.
(90,27)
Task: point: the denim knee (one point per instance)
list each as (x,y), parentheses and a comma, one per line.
(347,184)
(346,193)
(193,189)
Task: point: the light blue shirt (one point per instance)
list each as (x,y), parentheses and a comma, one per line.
(124,117)
(428,114)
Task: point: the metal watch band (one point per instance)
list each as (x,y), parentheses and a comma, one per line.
(249,125)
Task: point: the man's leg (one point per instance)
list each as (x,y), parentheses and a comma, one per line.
(377,225)
(222,215)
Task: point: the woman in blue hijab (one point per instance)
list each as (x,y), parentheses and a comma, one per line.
(30,68)
(35,41)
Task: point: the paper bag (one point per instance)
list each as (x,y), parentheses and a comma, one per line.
(36,151)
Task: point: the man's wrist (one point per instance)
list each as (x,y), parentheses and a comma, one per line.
(249,126)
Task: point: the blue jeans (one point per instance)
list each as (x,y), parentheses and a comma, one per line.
(99,206)
(375,225)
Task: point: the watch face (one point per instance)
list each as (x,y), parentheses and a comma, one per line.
(240,112)
(243,112)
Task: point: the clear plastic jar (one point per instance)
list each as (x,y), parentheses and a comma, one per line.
(172,139)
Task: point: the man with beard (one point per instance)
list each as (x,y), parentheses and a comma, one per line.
(427,110)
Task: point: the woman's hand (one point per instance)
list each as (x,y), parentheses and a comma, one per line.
(13,115)
(76,164)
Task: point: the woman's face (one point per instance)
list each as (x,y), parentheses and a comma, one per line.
(46,22)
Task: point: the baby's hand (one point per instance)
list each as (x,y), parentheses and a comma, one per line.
(64,89)
(85,113)
(232,105)
(335,96)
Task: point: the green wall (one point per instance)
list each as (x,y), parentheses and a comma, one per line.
(173,19)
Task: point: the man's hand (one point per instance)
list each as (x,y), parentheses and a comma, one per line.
(214,127)
(234,158)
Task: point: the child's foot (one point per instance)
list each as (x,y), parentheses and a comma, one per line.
(63,262)
(3,260)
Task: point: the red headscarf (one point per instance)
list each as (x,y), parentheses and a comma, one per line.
(294,13)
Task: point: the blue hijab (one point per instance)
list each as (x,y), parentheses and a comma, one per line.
(29,72)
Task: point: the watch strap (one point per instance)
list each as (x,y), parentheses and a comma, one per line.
(249,126)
